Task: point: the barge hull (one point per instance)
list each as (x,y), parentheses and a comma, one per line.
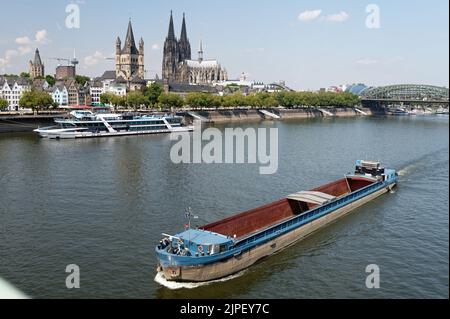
(238,263)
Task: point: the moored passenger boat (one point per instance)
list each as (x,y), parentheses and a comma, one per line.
(400,112)
(230,245)
(86,124)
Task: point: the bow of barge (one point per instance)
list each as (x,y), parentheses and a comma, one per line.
(230,245)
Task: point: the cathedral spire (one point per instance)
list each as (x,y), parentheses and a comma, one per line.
(171,34)
(183,30)
(171,55)
(183,45)
(129,40)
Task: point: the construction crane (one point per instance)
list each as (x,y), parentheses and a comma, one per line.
(72,61)
(60,59)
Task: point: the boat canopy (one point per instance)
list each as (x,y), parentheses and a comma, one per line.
(312,197)
(203,237)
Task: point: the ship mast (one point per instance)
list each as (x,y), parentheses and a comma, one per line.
(188,214)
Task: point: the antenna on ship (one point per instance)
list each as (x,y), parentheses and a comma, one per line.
(188,214)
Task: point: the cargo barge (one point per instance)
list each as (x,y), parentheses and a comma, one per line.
(230,245)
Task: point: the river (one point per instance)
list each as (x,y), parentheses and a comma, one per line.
(102,204)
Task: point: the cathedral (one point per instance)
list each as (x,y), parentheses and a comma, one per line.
(36,68)
(178,66)
(130,59)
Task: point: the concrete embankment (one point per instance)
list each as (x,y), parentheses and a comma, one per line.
(25,123)
(220,116)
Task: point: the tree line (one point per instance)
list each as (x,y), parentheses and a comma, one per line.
(154,97)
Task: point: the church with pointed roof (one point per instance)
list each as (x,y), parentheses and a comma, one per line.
(36,67)
(178,65)
(130,59)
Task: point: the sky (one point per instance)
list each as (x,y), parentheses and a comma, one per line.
(310,44)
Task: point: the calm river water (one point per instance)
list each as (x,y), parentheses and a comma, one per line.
(102,204)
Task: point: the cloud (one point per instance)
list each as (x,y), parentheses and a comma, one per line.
(309,15)
(94,59)
(6,60)
(2,63)
(25,47)
(338,17)
(367,61)
(41,37)
(155,46)
(24,50)
(23,40)
(11,53)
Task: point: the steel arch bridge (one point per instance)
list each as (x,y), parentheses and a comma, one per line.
(406,93)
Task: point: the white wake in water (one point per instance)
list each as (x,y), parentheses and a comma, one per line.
(421,163)
(405,171)
(160,279)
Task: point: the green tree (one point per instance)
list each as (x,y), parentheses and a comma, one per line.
(50,80)
(350,99)
(105,98)
(117,100)
(109,98)
(234,100)
(170,100)
(287,99)
(265,100)
(36,100)
(136,99)
(203,100)
(3,104)
(313,99)
(251,100)
(25,75)
(80,79)
(153,92)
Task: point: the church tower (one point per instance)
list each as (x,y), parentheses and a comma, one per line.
(129,60)
(200,53)
(171,54)
(36,68)
(184,45)
(141,71)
